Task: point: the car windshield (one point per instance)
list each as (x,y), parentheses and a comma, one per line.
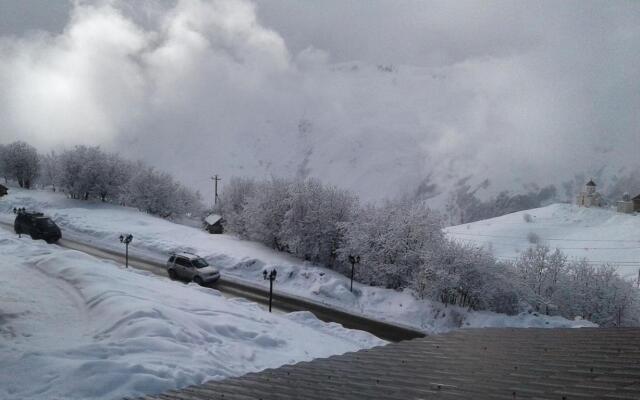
(45,223)
(200,263)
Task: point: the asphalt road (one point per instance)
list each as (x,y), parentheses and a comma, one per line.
(282,302)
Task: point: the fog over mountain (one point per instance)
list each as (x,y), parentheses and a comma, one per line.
(376,96)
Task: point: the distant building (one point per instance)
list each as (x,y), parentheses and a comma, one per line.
(636,203)
(589,197)
(625,205)
(3,190)
(213,223)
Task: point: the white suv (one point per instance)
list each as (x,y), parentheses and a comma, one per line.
(192,268)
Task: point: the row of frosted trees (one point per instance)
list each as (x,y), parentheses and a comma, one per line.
(402,246)
(90,173)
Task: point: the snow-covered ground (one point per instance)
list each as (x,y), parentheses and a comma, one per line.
(156,238)
(596,234)
(75,327)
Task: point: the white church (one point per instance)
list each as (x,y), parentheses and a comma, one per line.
(589,197)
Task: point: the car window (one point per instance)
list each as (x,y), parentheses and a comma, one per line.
(45,223)
(200,263)
(183,261)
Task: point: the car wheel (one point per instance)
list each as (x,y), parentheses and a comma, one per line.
(172,274)
(198,280)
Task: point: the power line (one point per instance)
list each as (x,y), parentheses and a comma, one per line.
(598,262)
(493,243)
(547,239)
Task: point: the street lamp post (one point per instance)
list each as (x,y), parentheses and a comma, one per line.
(271,276)
(353,260)
(18,211)
(126,239)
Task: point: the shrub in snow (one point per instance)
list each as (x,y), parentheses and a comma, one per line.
(20,161)
(533,238)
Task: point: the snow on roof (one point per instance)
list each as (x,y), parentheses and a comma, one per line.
(212,219)
(186,254)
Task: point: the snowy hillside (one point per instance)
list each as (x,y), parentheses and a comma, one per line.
(154,237)
(75,327)
(599,235)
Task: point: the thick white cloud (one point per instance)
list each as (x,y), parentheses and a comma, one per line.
(371,95)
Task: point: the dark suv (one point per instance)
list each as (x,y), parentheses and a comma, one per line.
(36,225)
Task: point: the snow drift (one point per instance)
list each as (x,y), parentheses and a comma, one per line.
(75,327)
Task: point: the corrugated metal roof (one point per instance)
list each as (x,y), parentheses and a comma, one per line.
(212,219)
(466,364)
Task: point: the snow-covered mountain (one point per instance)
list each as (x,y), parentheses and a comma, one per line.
(180,86)
(600,235)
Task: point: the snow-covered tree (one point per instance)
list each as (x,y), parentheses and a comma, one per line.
(72,175)
(555,286)
(159,194)
(467,276)
(265,212)
(113,173)
(312,225)
(49,170)
(21,162)
(4,172)
(392,241)
(233,201)
(541,272)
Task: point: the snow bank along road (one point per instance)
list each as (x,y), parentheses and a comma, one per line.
(283,302)
(99,225)
(76,327)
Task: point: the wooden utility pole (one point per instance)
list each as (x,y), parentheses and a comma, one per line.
(215,179)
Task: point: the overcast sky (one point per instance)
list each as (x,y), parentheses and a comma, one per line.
(355,92)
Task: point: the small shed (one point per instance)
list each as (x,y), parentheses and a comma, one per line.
(3,190)
(213,223)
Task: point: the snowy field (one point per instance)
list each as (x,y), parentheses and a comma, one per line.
(596,234)
(75,327)
(154,237)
